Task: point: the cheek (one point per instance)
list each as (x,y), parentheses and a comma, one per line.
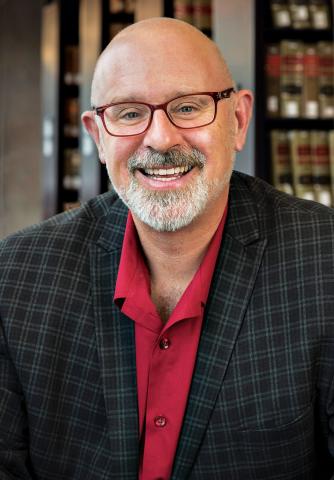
(118,153)
(215,145)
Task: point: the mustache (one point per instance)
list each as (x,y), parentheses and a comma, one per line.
(171,158)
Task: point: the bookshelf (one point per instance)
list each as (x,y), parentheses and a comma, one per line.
(290,98)
(60,105)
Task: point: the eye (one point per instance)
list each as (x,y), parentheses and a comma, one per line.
(185,109)
(130,115)
(127,113)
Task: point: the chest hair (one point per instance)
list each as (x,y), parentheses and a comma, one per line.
(165,299)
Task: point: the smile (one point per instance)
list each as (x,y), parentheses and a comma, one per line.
(166,174)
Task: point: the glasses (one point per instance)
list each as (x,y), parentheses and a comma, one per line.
(124,119)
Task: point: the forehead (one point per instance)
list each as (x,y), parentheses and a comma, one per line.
(155,71)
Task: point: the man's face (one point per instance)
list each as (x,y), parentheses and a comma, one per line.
(167,176)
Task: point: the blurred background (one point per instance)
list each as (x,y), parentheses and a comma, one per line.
(281,49)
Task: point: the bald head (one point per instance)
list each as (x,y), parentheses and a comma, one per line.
(166,47)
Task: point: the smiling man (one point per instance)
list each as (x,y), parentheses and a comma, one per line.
(150,138)
(180,327)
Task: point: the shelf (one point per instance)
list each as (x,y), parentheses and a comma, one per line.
(280,74)
(299,123)
(71,90)
(308,35)
(121,17)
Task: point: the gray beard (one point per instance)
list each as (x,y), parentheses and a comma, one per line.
(168,211)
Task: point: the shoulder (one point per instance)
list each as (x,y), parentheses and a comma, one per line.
(294,230)
(71,231)
(275,208)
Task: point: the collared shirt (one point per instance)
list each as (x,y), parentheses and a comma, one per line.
(165,354)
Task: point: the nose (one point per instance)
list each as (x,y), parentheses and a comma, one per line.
(162,134)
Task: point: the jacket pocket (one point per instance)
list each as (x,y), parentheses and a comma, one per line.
(286,452)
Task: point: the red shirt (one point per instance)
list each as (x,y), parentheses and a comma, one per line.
(165,354)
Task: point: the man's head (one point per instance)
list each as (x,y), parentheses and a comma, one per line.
(166,174)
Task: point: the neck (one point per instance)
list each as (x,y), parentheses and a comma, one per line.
(174,257)
(177,255)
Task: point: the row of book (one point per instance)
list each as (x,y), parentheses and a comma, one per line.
(303,164)
(300,14)
(196,12)
(300,79)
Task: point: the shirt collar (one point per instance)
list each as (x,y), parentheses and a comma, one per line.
(133,281)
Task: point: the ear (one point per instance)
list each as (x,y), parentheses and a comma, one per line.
(89,120)
(243,114)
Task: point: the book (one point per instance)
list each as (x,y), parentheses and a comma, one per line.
(326,79)
(331,160)
(319,14)
(116,6)
(71,117)
(300,16)
(300,150)
(292,78)
(281,162)
(280,13)
(202,13)
(321,177)
(273,74)
(310,101)
(122,6)
(183,10)
(71,65)
(72,165)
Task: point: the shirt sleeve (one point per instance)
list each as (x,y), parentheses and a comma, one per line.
(14,457)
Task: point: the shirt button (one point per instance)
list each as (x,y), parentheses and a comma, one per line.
(160,421)
(164,343)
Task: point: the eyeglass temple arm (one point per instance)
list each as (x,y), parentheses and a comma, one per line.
(225,93)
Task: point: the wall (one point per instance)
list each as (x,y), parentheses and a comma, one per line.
(20,141)
(234,32)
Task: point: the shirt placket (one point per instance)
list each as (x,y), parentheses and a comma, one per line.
(159,422)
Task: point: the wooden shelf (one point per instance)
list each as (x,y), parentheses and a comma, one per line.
(267,34)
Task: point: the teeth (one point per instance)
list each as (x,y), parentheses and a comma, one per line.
(166,171)
(168,179)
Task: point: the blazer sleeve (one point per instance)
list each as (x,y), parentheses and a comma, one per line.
(14,457)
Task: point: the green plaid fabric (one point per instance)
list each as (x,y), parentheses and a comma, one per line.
(261,404)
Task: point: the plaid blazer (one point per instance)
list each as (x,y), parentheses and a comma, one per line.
(261,404)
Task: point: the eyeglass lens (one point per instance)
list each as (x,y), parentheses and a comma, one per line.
(189,111)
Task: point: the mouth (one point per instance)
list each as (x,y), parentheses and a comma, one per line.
(166,174)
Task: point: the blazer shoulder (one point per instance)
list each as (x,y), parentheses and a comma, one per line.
(280,218)
(79,226)
(271,202)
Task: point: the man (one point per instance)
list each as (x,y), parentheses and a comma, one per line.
(190,336)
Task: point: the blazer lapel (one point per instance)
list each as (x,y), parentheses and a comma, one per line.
(235,274)
(116,349)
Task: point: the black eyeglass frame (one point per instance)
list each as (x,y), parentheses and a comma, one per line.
(216,96)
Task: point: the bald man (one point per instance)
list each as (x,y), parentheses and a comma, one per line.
(181,326)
